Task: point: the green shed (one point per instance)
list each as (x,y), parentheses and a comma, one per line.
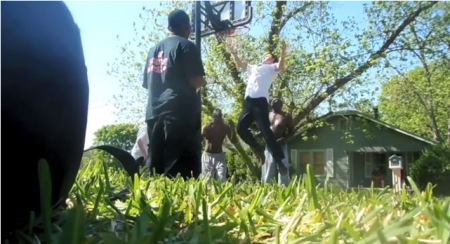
(349,146)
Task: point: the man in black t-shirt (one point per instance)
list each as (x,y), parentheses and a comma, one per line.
(173,74)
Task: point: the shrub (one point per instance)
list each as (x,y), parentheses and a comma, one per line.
(238,169)
(434,167)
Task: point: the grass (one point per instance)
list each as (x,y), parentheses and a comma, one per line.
(160,210)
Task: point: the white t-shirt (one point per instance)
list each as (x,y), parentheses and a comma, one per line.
(260,79)
(143,135)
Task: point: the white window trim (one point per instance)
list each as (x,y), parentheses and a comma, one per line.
(311,159)
(368,163)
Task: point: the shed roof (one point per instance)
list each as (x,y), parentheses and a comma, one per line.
(389,126)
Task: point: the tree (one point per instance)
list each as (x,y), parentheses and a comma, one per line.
(324,56)
(417,99)
(417,102)
(88,157)
(121,135)
(433,166)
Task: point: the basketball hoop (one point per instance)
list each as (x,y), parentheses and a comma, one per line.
(233,36)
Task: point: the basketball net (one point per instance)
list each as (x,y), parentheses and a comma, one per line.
(233,37)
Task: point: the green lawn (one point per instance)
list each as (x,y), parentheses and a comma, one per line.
(163,211)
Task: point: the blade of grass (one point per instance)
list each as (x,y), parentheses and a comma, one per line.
(45,187)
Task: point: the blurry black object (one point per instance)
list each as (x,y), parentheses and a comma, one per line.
(126,160)
(44,97)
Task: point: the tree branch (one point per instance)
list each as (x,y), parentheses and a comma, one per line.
(294,13)
(275,27)
(361,69)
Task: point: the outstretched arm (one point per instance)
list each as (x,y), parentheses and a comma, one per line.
(239,63)
(290,127)
(280,66)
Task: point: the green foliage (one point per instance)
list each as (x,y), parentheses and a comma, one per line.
(160,210)
(433,166)
(416,79)
(121,135)
(418,103)
(328,60)
(237,169)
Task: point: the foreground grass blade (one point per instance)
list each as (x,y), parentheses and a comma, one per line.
(45,187)
(175,211)
(74,230)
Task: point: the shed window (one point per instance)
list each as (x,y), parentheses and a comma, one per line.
(368,164)
(321,162)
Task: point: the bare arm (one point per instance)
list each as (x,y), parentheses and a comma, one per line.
(192,65)
(280,66)
(142,147)
(290,127)
(205,131)
(239,63)
(197,82)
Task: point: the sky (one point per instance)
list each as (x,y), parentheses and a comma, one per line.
(100,24)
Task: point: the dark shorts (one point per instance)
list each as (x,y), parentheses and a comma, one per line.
(175,146)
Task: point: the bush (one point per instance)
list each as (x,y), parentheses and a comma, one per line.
(434,167)
(238,169)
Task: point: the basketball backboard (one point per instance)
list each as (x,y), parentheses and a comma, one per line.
(231,14)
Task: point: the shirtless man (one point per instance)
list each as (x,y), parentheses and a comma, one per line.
(283,129)
(213,159)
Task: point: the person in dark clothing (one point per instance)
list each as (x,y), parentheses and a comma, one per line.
(173,74)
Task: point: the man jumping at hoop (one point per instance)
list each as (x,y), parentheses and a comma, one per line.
(256,105)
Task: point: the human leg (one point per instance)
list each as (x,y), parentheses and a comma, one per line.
(181,152)
(221,167)
(208,167)
(243,128)
(174,145)
(284,179)
(260,112)
(155,147)
(269,169)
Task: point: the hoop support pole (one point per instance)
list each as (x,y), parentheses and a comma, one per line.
(198,43)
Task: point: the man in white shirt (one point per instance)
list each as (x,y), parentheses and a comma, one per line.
(139,151)
(256,105)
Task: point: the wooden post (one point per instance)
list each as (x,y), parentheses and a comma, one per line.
(396,180)
(395,164)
